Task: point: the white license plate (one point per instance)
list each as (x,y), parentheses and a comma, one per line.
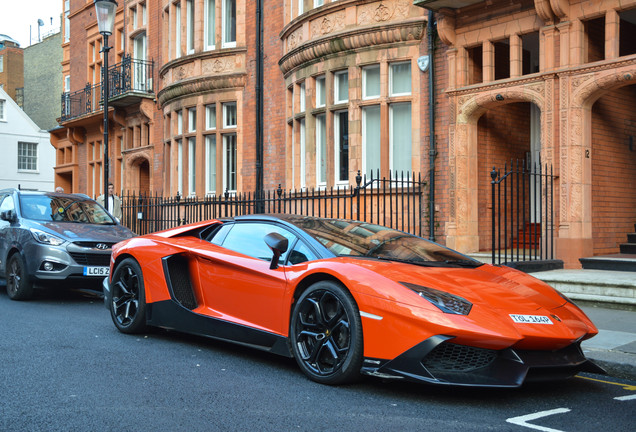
(531,319)
(96,271)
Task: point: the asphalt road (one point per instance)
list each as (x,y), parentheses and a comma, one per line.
(64,367)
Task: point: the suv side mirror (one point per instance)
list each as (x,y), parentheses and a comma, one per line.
(278,244)
(8,215)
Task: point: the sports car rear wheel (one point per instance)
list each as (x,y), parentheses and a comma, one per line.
(326,334)
(128,305)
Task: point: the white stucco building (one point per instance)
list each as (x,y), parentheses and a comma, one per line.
(26,154)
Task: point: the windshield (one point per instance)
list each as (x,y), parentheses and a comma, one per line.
(63,209)
(360,239)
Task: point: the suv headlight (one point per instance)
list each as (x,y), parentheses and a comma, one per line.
(447,303)
(46,238)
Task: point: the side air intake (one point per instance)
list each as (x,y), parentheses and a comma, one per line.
(178,276)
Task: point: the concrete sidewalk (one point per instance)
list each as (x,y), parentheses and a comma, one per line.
(614,348)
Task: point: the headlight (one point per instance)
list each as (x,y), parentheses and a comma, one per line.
(447,303)
(49,239)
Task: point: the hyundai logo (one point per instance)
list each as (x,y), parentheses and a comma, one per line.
(102,246)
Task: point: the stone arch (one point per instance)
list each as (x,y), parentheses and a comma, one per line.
(576,231)
(137,169)
(463,230)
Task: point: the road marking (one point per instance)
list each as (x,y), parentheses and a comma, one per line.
(625,386)
(624,398)
(523,420)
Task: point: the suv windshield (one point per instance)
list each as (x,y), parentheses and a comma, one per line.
(63,209)
(351,238)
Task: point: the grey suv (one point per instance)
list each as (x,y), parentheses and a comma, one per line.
(62,239)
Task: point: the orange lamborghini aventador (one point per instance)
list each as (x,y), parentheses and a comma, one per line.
(346,298)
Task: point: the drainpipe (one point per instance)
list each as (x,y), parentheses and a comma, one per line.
(432,153)
(259,105)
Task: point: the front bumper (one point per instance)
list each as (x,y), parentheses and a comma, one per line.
(68,263)
(438,360)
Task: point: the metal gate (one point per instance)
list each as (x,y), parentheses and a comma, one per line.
(522,213)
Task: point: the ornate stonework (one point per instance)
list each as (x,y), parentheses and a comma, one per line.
(328,24)
(384,11)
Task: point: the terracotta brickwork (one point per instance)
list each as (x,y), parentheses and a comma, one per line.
(337,79)
(12,75)
(576,58)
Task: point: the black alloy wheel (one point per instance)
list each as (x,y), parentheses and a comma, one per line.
(326,334)
(128,305)
(19,283)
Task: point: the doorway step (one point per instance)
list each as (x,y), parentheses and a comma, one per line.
(623,261)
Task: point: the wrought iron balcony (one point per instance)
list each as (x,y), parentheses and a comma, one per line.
(129,81)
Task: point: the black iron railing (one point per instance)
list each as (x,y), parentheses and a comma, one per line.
(522,213)
(128,76)
(395,202)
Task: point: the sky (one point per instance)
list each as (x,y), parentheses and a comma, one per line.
(17,15)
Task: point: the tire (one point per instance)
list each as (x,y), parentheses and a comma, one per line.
(19,283)
(128,302)
(326,334)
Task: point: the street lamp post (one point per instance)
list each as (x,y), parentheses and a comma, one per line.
(105,11)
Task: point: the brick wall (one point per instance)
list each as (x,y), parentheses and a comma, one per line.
(613,169)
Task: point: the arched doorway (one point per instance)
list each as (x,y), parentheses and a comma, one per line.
(144,177)
(613,173)
(509,136)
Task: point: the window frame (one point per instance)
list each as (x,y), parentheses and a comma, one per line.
(28,159)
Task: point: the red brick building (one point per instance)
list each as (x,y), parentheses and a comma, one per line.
(11,68)
(548,80)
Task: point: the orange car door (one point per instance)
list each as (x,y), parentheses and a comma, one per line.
(237,283)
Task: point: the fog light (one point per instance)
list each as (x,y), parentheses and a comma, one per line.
(48,266)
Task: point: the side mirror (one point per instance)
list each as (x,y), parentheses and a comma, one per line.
(8,215)
(278,244)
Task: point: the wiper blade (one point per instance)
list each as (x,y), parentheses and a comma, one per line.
(464,263)
(405,261)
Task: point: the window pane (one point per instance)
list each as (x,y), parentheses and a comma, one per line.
(179,122)
(192,120)
(248,239)
(341,87)
(371,139)
(321,148)
(371,81)
(229,21)
(210,163)
(209,23)
(229,114)
(401,78)
(229,145)
(400,123)
(190,25)
(342,143)
(302,97)
(192,165)
(210,117)
(320,91)
(303,156)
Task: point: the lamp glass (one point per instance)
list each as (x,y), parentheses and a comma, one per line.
(105,11)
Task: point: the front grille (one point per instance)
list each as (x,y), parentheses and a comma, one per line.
(91,259)
(93,244)
(178,276)
(448,357)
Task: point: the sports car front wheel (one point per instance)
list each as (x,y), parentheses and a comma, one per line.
(326,334)
(128,305)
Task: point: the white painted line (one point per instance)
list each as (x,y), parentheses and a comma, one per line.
(624,398)
(523,420)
